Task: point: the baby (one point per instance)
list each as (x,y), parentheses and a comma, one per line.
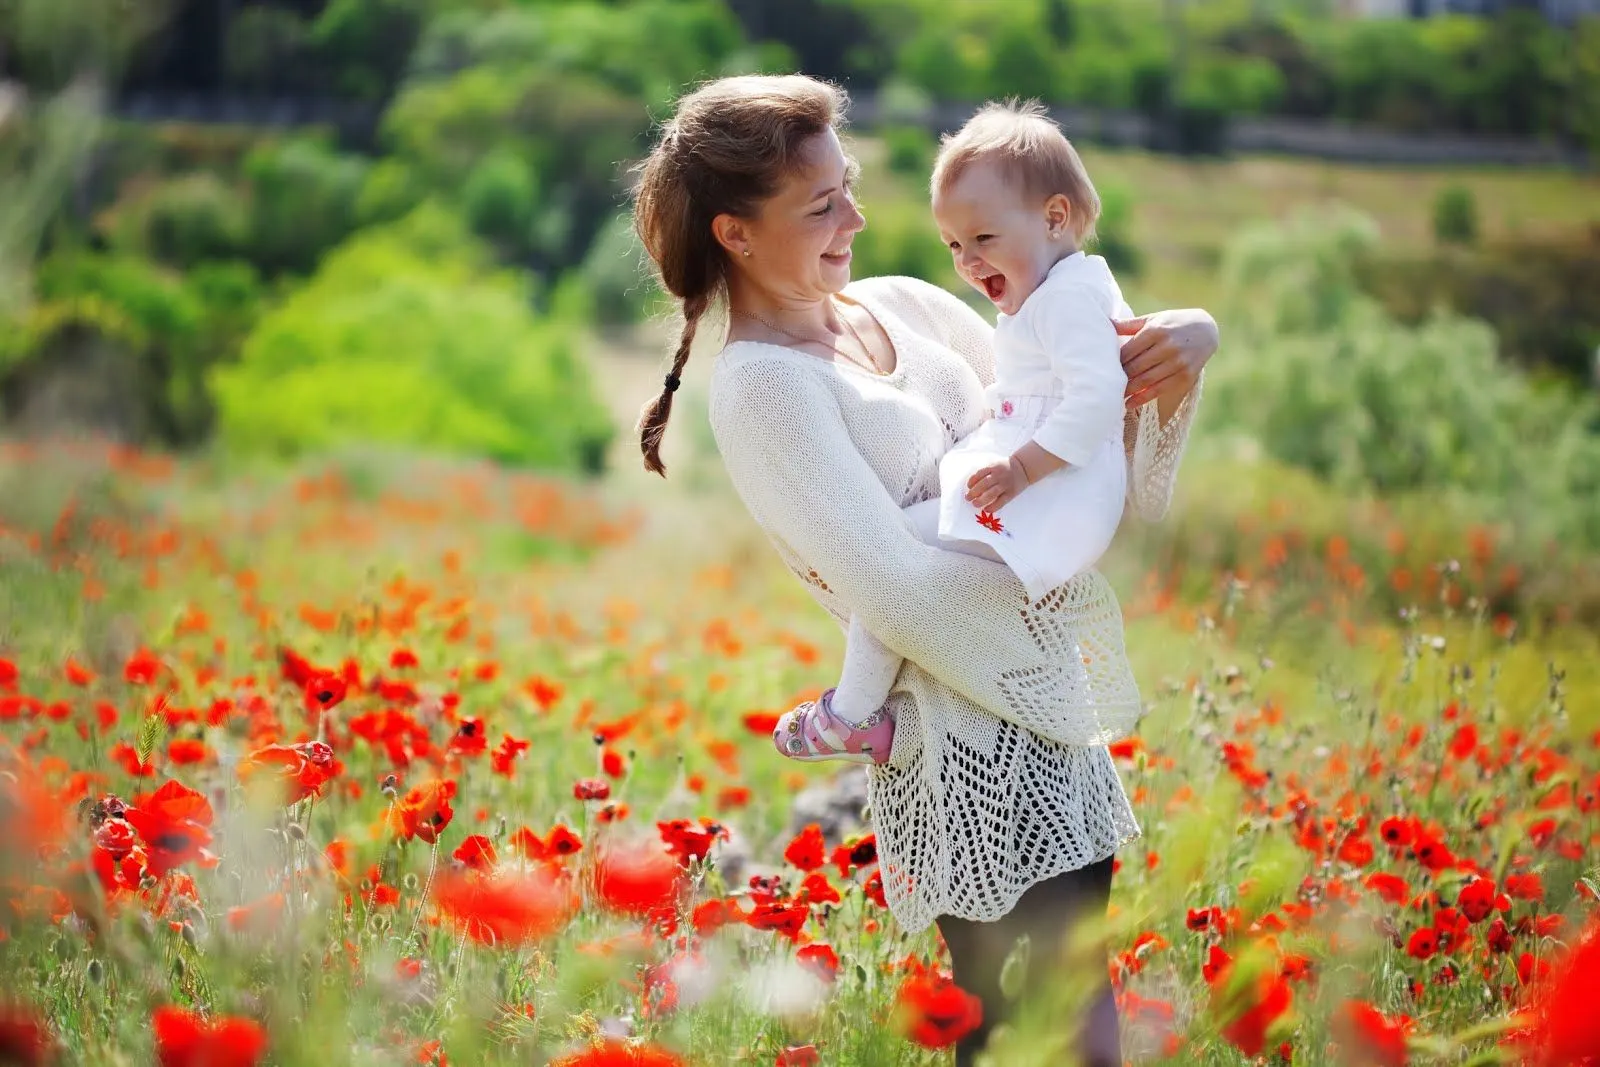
(1040,484)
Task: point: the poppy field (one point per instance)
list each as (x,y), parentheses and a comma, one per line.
(383,760)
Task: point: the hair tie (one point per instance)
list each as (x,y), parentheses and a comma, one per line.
(671,382)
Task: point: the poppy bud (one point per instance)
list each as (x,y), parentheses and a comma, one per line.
(410,881)
(189,935)
(96,971)
(296,832)
(63,949)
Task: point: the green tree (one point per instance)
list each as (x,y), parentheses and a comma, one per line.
(407,335)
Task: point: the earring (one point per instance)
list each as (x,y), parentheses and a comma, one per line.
(747,252)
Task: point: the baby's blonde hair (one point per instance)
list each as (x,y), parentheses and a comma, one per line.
(1032,153)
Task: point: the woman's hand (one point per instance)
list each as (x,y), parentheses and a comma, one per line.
(1164,354)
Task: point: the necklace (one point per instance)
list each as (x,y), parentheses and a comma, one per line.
(871,365)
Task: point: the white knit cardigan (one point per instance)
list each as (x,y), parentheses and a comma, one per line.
(998,776)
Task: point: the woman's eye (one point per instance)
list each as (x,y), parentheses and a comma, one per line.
(823,210)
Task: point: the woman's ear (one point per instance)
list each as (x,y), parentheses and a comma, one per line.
(732,234)
(1058,215)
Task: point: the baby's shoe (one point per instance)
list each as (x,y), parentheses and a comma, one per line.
(812,733)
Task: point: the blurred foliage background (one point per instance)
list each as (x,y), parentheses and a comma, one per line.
(282,227)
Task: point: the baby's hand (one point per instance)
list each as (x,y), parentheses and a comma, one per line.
(993,487)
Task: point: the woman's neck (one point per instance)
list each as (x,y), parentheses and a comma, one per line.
(756,315)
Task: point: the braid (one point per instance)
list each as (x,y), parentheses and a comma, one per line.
(653,419)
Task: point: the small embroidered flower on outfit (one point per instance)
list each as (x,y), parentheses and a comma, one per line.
(1006,409)
(990,521)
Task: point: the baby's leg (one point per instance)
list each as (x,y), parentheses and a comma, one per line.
(870,666)
(925,521)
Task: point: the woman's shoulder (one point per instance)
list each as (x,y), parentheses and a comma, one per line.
(907,296)
(749,373)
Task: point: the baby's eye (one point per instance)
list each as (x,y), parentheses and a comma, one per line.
(982,237)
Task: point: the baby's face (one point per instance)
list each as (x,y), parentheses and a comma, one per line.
(1000,240)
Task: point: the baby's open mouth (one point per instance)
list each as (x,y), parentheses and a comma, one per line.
(994,285)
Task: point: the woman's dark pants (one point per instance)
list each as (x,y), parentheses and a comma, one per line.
(1045,914)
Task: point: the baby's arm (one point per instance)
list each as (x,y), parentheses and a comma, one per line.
(1076,330)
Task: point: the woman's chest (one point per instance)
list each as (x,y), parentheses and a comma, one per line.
(902,426)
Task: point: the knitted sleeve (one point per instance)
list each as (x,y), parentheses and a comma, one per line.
(1154,452)
(964,620)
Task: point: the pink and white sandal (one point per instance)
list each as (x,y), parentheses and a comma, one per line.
(812,733)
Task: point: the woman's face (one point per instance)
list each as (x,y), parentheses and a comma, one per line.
(799,242)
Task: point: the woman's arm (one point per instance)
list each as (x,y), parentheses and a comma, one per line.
(962,619)
(1164,357)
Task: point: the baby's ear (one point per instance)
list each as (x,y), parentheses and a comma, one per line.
(1058,214)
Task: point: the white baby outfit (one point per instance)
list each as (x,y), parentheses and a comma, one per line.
(998,777)
(1058,382)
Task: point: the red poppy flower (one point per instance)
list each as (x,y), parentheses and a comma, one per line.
(1216,963)
(8,675)
(591,789)
(78,674)
(1433,853)
(325,690)
(1464,742)
(295,771)
(561,841)
(1253,1006)
(615,1052)
(873,888)
(860,854)
(690,841)
(476,853)
(798,1056)
(1499,937)
(1525,887)
(820,960)
(1367,1037)
(936,1013)
(1423,944)
(1395,831)
(1390,887)
(470,739)
(807,851)
(24,1039)
(141,668)
(425,810)
(761,723)
(712,915)
(401,658)
(504,758)
(184,1039)
(1477,899)
(637,878)
(1566,1027)
(784,919)
(510,909)
(174,822)
(818,890)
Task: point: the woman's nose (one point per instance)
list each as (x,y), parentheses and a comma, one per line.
(857,220)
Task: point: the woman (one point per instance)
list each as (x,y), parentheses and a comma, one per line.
(999,810)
